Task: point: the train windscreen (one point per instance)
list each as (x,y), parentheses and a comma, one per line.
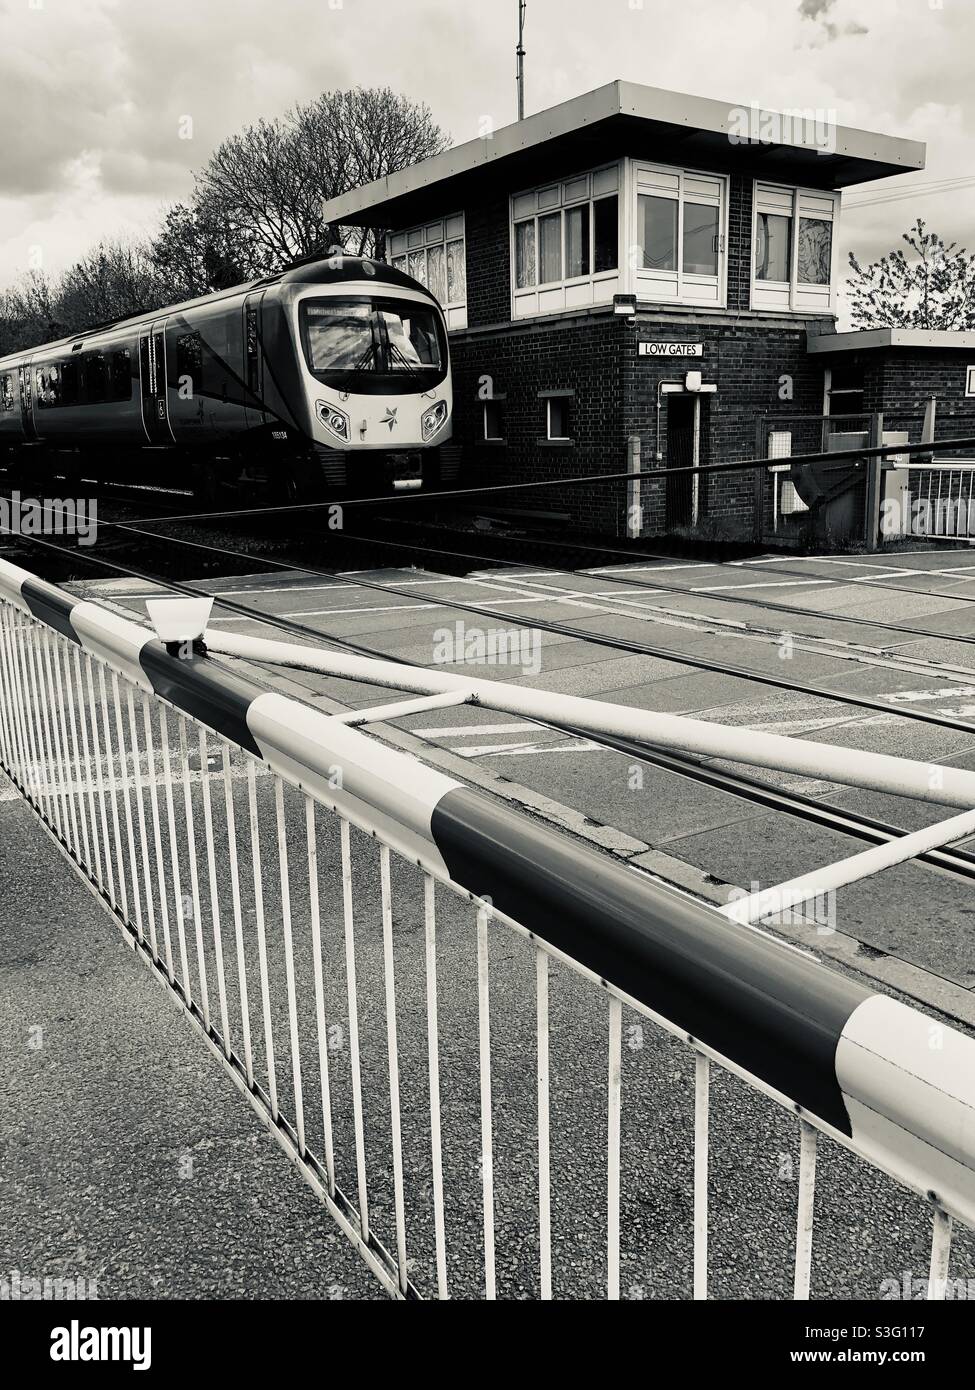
(379,338)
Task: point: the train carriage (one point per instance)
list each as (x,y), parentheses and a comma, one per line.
(332,376)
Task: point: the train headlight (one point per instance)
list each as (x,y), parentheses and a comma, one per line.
(432,419)
(336,421)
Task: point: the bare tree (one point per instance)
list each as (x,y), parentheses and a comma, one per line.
(29,314)
(111,282)
(193,256)
(934,287)
(267,184)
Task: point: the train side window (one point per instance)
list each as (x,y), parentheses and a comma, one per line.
(6,393)
(69,383)
(121,375)
(47,381)
(96,378)
(189,363)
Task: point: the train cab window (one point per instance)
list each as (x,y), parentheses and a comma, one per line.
(340,336)
(47,386)
(69,383)
(121,375)
(189,361)
(96,378)
(6,393)
(374,344)
(412,338)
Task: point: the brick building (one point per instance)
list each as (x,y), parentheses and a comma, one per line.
(601,261)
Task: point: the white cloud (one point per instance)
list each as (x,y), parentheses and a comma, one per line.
(93,92)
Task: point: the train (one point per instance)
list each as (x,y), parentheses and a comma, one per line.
(329,378)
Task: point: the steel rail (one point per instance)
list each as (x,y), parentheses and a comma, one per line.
(797,804)
(740,784)
(875,771)
(631,556)
(644,587)
(590,479)
(566,630)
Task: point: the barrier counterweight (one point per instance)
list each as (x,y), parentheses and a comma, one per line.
(404,978)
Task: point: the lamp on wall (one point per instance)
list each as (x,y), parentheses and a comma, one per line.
(624,304)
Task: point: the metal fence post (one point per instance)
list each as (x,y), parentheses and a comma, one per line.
(758,482)
(874,490)
(634,513)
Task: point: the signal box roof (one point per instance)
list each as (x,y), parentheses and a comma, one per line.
(628,118)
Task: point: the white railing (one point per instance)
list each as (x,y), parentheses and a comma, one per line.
(502,1060)
(941,500)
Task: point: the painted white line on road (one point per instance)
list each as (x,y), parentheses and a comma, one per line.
(463,730)
(770,584)
(643,569)
(939,694)
(522,750)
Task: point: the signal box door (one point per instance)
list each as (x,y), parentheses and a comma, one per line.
(680,454)
(152,368)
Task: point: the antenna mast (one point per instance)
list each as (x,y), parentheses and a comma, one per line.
(520,52)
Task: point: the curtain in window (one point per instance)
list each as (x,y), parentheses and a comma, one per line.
(525,255)
(436,273)
(456,273)
(815,247)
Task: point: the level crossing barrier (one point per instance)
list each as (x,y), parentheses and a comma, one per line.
(431,999)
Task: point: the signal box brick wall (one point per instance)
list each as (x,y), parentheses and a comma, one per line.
(759,367)
(899,381)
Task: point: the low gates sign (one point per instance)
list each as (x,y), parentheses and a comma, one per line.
(671,349)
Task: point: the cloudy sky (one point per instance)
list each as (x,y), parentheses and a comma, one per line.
(94,93)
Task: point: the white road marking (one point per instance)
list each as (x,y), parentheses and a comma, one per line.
(463,730)
(914,695)
(522,750)
(771,584)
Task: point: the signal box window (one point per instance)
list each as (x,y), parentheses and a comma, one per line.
(845,389)
(558,418)
(494,421)
(794,249)
(565,243)
(435,254)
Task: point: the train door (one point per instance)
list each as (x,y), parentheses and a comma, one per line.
(254,361)
(26,401)
(152,371)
